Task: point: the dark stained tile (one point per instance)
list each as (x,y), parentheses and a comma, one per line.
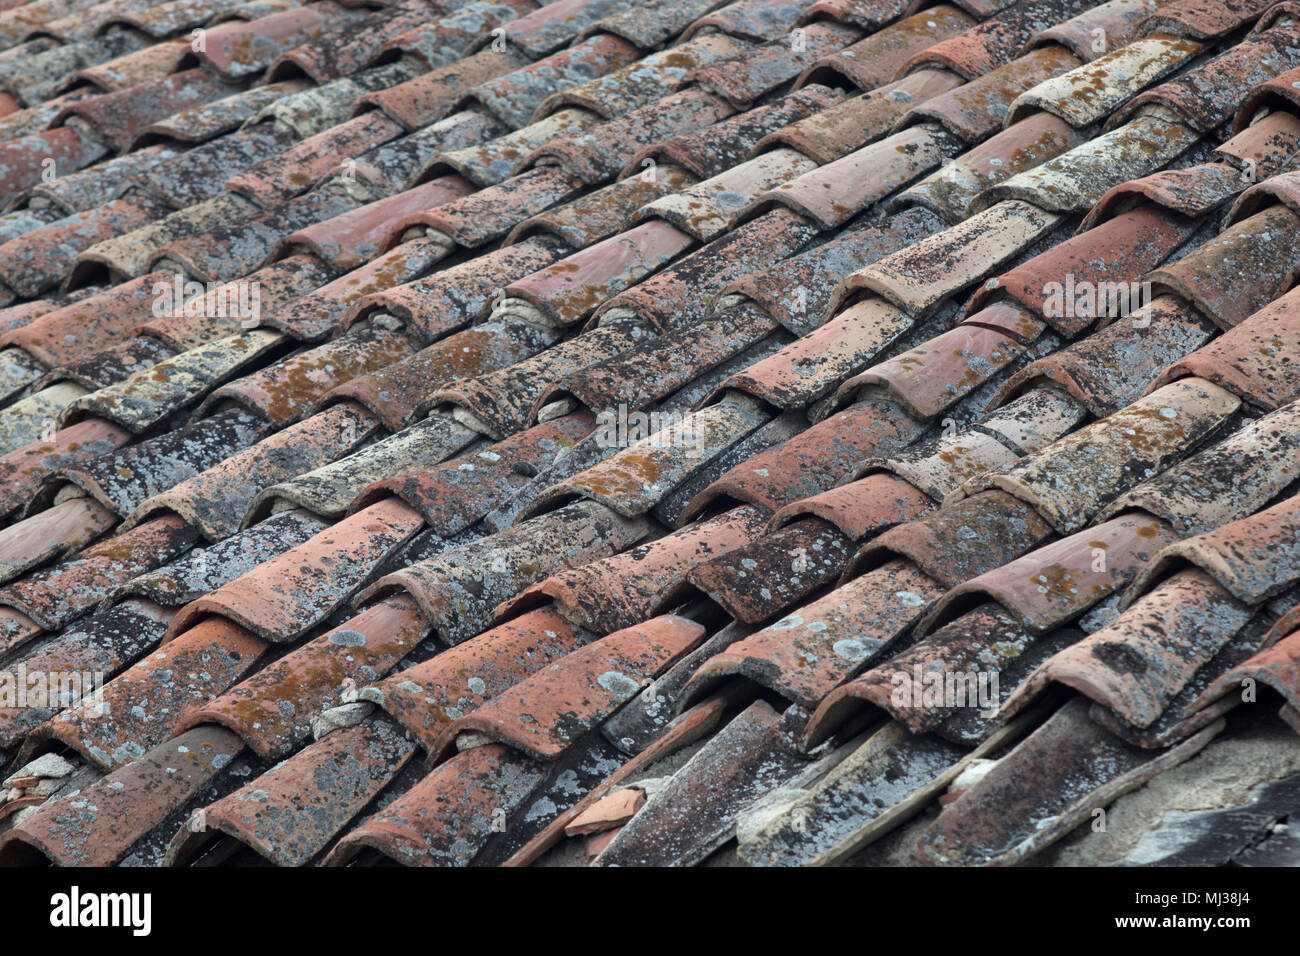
(99,825)
(1211,276)
(445,39)
(398,393)
(1202,20)
(995,42)
(806,654)
(730,141)
(454,495)
(749,757)
(290,813)
(1150,339)
(216,500)
(619,591)
(449,298)
(1095,464)
(446,818)
(514,97)
(1207,95)
(1076,767)
(1223,483)
(53,597)
(602,212)
(744,79)
(459,589)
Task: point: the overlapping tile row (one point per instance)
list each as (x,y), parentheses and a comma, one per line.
(466,432)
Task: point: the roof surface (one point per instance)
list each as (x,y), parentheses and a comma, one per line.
(649,433)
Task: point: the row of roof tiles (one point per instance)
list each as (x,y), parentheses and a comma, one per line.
(552,392)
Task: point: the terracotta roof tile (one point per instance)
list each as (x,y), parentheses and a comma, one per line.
(431,96)
(857,120)
(1167,424)
(282,598)
(603,212)
(455,494)
(1210,276)
(290,813)
(758,580)
(1101,665)
(750,756)
(927,379)
(570,695)
(1147,338)
(1207,95)
(1120,250)
(429,696)
(398,393)
(598,318)
(146,703)
(124,480)
(313,677)
(100,825)
(570,290)
(994,43)
(330,489)
(458,590)
(1118,21)
(1196,18)
(745,77)
(349,240)
(682,293)
(644,81)
(716,148)
(444,39)
(652,22)
(833,194)
(874,60)
(814,460)
(216,499)
(1027,817)
(283,390)
(805,655)
(861,508)
(978,108)
(446,818)
(950,191)
(755,20)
